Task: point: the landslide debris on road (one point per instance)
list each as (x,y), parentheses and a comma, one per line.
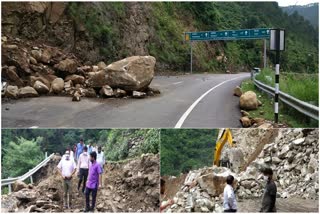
(291,153)
(129,186)
(32,71)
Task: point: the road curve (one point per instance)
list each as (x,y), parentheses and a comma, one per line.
(188,101)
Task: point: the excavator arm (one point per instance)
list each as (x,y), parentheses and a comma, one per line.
(225,137)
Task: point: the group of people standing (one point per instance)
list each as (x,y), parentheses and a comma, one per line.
(88,162)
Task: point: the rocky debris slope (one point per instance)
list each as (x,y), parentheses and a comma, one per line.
(129,186)
(292,154)
(32,71)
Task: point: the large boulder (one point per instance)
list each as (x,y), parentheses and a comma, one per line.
(28,92)
(12,91)
(249,101)
(40,87)
(132,73)
(97,79)
(67,65)
(57,85)
(11,74)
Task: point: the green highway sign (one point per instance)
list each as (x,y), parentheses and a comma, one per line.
(260,33)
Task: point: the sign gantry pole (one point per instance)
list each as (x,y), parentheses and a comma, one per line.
(277,43)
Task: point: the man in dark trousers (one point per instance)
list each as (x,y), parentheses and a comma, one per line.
(270,192)
(83,168)
(92,182)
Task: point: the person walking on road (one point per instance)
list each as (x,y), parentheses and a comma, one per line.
(67,168)
(270,192)
(83,168)
(93,182)
(101,161)
(229,198)
(80,147)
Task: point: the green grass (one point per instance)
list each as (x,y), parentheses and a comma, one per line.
(287,115)
(299,85)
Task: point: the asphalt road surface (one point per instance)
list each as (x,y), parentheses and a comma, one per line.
(188,101)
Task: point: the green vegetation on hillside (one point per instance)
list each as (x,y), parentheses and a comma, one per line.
(183,150)
(22,149)
(299,85)
(167,22)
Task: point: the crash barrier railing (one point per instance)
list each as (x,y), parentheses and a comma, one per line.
(9,181)
(301,106)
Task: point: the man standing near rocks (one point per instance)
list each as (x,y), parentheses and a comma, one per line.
(83,168)
(270,192)
(67,168)
(93,182)
(80,146)
(101,161)
(229,198)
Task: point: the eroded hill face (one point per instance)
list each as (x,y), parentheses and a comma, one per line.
(291,153)
(129,186)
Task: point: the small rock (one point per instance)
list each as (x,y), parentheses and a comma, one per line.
(68,65)
(237,91)
(76,97)
(57,85)
(245,121)
(106,91)
(101,65)
(11,92)
(138,94)
(27,92)
(244,113)
(40,87)
(119,92)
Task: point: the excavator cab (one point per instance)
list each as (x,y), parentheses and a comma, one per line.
(223,138)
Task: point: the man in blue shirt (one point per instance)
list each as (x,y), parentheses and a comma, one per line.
(80,147)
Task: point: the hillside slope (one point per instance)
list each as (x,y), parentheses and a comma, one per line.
(310,12)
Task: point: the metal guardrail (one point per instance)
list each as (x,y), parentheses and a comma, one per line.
(9,181)
(301,106)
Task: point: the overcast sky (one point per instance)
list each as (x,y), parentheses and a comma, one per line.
(294,2)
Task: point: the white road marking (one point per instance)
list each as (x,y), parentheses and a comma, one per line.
(176,83)
(34,127)
(186,114)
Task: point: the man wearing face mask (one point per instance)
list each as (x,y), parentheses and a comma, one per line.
(93,182)
(83,168)
(67,168)
(270,192)
(101,161)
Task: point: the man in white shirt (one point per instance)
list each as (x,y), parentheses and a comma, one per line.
(83,168)
(67,168)
(101,161)
(229,198)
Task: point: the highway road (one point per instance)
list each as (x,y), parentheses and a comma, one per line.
(186,101)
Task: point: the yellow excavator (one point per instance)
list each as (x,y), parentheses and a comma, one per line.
(224,136)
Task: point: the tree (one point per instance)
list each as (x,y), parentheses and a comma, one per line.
(21,156)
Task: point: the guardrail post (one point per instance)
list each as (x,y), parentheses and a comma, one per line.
(9,187)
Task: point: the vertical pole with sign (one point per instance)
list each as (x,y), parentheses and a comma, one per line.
(264,53)
(190,57)
(277,38)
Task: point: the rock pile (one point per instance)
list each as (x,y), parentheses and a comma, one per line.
(292,154)
(32,71)
(130,186)
(201,191)
(294,158)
